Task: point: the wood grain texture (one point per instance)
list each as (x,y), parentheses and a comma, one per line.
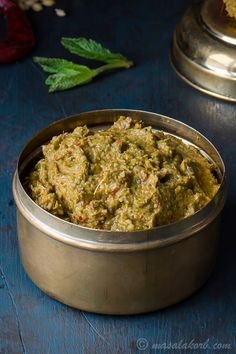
(30,321)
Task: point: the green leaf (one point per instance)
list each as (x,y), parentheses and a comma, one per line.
(65,74)
(90,49)
(60,82)
(55,65)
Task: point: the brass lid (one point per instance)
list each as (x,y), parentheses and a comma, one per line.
(203,50)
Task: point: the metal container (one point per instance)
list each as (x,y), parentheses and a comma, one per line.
(203,51)
(117,272)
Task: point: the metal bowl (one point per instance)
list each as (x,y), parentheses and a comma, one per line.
(203,51)
(117,272)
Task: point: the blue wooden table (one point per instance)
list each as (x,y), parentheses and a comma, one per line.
(30,321)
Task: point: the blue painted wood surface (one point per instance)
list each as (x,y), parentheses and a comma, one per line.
(30,321)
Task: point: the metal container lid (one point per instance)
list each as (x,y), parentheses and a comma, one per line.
(203,51)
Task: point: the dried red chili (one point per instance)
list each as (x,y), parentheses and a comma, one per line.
(20,37)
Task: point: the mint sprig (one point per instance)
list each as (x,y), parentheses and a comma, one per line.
(65,74)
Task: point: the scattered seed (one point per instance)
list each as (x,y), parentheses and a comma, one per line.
(48,2)
(37,7)
(60,12)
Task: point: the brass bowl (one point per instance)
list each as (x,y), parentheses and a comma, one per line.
(203,51)
(117,272)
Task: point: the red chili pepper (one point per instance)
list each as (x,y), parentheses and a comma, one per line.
(80,144)
(101,226)
(115,190)
(81,218)
(20,37)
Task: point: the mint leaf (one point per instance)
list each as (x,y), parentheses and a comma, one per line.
(60,82)
(90,49)
(55,65)
(65,74)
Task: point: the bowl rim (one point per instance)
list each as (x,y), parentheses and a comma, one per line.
(90,238)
